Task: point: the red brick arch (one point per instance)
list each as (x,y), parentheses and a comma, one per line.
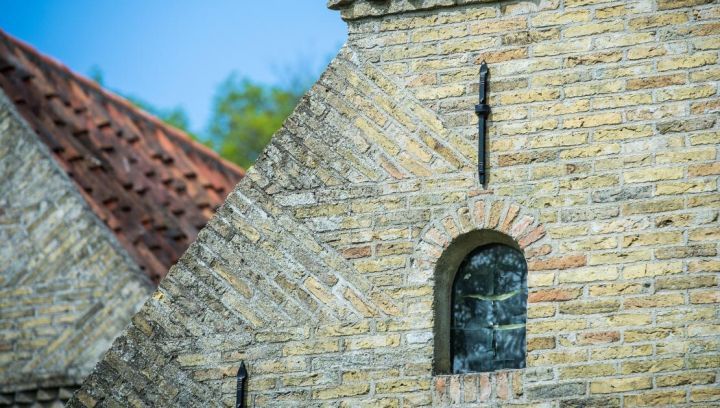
(481,214)
(484,213)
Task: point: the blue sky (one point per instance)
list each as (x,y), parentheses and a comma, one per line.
(176,52)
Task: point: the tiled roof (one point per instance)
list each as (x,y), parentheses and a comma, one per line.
(152,185)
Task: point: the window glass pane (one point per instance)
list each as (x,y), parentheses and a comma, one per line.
(510,348)
(474,350)
(489,302)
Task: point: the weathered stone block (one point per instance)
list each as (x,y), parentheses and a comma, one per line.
(554,391)
(611,385)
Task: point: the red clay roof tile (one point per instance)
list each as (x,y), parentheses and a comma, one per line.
(151,184)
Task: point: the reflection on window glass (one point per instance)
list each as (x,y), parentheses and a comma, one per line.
(489,306)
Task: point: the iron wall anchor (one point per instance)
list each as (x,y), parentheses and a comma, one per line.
(241,377)
(482,109)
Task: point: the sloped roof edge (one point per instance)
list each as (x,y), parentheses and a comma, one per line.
(173,131)
(152,184)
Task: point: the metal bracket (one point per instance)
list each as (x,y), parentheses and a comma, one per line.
(482,109)
(241,377)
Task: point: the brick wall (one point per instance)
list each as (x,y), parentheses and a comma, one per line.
(66,288)
(319,270)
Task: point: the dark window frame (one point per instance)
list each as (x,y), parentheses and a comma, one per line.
(488,305)
(446,269)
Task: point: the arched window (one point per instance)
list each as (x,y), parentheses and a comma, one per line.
(488,310)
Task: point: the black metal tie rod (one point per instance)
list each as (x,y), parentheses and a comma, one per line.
(241,377)
(482,109)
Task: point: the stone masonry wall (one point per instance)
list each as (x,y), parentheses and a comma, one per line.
(66,288)
(318,271)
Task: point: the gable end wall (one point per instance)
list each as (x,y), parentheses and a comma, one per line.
(318,271)
(67,289)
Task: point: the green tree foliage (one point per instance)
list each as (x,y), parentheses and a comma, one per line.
(246,114)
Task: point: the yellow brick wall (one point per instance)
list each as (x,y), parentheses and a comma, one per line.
(319,270)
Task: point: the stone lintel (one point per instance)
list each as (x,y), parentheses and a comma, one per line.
(357,9)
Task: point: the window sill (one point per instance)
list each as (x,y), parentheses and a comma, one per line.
(502,385)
